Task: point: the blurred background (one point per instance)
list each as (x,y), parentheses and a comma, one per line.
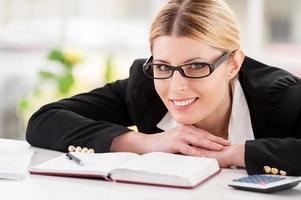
(51,49)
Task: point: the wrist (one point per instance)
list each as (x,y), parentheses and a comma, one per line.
(129,142)
(238,155)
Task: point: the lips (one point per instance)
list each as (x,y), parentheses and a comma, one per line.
(184,102)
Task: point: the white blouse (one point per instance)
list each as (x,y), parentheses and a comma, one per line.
(240,128)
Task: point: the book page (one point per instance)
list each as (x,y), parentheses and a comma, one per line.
(171,164)
(105,161)
(98,163)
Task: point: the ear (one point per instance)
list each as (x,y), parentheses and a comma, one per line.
(236,61)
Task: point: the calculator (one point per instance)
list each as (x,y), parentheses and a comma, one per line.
(265,183)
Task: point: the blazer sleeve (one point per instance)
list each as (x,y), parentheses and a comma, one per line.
(283,151)
(89,120)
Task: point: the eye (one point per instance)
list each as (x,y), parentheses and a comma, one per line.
(162,67)
(197,66)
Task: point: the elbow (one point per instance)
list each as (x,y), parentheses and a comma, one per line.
(32,132)
(38,128)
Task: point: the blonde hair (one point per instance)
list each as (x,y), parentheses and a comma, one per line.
(210,21)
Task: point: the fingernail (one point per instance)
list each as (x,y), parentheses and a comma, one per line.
(226,141)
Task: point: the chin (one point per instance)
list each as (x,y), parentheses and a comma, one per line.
(186,119)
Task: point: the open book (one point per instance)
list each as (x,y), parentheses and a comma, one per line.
(162,169)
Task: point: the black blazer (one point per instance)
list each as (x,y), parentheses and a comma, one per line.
(93,119)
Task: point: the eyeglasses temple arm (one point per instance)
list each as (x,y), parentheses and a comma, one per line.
(147,61)
(221,60)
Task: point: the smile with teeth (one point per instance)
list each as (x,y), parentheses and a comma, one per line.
(185,102)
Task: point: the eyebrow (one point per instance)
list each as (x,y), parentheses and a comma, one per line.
(187,61)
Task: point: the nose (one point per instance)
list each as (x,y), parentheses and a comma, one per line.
(178,82)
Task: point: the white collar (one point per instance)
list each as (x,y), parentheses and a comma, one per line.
(240,127)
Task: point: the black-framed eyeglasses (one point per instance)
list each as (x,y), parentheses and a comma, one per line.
(191,70)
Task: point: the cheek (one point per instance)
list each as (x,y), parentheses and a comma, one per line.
(212,93)
(161,88)
(208,93)
(216,88)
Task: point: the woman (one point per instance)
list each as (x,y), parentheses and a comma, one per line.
(197,95)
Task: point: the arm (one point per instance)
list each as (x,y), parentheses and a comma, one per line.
(281,153)
(282,150)
(91,119)
(184,139)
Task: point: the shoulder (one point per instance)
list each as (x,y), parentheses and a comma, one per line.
(136,74)
(263,81)
(138,81)
(139,85)
(142,98)
(254,74)
(273,95)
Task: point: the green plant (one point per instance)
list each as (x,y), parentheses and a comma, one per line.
(109,74)
(63,81)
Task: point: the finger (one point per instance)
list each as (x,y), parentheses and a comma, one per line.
(202,142)
(217,139)
(188,150)
(209,136)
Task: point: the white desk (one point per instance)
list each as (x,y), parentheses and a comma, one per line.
(50,187)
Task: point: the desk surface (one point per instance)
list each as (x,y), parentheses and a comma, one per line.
(50,187)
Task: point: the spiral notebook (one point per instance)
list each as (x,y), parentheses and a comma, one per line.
(161,169)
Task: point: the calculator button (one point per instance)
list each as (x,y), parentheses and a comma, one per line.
(259,179)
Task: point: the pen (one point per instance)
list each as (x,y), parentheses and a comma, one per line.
(74,158)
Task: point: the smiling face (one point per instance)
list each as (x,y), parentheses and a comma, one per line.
(191,100)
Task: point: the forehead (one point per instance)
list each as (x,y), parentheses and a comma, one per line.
(181,48)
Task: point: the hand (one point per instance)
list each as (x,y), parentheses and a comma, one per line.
(230,155)
(185,139)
